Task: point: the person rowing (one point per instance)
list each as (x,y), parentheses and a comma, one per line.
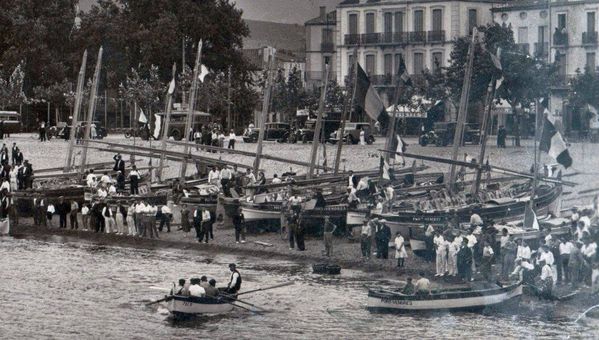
(235,282)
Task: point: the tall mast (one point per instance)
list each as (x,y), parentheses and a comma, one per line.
(263,116)
(192,101)
(484,134)
(463,110)
(318,127)
(91,110)
(349,105)
(167,121)
(76,111)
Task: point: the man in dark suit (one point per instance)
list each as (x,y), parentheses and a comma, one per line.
(119,163)
(14,151)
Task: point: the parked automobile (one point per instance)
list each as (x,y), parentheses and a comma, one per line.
(274,131)
(306,134)
(352,131)
(443,134)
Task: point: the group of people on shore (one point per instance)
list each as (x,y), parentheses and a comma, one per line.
(213,136)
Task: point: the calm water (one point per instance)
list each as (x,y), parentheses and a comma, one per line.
(63,288)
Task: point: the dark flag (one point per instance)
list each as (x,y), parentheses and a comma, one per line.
(368,99)
(553,143)
(404,76)
(398,145)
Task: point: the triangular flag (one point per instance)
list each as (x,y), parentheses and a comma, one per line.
(203,73)
(530,218)
(553,143)
(142,117)
(384,169)
(171,87)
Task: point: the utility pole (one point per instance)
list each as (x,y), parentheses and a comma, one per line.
(192,100)
(463,110)
(91,110)
(348,106)
(318,126)
(76,111)
(167,121)
(264,115)
(105,109)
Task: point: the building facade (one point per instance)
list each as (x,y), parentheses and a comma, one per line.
(557,31)
(422,31)
(321,45)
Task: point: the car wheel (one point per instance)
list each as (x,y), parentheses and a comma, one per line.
(127,135)
(370,140)
(304,139)
(352,140)
(423,141)
(176,134)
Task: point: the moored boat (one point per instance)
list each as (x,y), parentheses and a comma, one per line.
(463,299)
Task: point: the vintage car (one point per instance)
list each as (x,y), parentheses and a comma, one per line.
(274,131)
(352,131)
(443,134)
(306,134)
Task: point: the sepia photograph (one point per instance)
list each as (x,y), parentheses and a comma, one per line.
(299,169)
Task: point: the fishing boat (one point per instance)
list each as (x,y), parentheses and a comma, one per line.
(461,299)
(185,306)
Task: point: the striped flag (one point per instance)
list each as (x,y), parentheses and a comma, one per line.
(530,218)
(142,117)
(404,76)
(553,143)
(368,99)
(496,59)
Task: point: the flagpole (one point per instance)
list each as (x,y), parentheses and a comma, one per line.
(169,105)
(391,132)
(349,103)
(192,100)
(91,110)
(318,126)
(76,111)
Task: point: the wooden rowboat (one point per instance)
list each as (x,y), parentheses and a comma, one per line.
(186,306)
(466,299)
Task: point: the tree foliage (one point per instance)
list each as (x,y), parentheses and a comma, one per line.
(11,89)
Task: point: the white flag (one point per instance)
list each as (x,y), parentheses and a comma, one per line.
(157,126)
(171,87)
(203,73)
(142,117)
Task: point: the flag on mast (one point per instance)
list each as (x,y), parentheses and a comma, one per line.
(553,143)
(171,87)
(398,146)
(530,218)
(203,73)
(142,117)
(368,99)
(157,126)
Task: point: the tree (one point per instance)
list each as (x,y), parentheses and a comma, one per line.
(147,91)
(584,91)
(11,89)
(525,78)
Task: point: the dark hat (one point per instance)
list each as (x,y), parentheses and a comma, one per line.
(232,265)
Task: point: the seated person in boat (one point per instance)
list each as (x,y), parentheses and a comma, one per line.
(546,280)
(523,272)
(177,290)
(423,285)
(195,289)
(408,289)
(235,283)
(211,289)
(204,282)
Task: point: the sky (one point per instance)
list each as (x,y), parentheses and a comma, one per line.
(284,11)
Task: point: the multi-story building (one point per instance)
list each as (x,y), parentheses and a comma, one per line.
(321,45)
(422,31)
(558,30)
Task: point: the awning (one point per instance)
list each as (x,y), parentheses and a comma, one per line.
(303,112)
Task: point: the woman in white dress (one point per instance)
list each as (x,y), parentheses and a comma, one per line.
(362,137)
(400,250)
(131,220)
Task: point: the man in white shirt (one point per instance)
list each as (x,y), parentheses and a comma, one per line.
(195,289)
(565,247)
(523,251)
(213,176)
(546,256)
(85,217)
(165,218)
(276,179)
(588,250)
(134,178)
(366,239)
(235,283)
(441,251)
(523,271)
(352,199)
(422,285)
(206,225)
(91,179)
(546,280)
(225,179)
(232,139)
(105,179)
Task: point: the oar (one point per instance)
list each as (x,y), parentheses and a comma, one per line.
(166,298)
(233,299)
(248,309)
(267,288)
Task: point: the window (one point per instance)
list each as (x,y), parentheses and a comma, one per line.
(542,35)
(327,36)
(561,20)
(397,62)
(591,61)
(590,21)
(353,24)
(388,64)
(370,64)
(399,17)
(418,20)
(437,20)
(522,35)
(472,20)
(418,62)
(437,61)
(370,27)
(388,22)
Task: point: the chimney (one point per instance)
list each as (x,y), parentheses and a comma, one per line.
(323,12)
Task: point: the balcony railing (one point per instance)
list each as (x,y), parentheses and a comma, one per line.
(589,38)
(418,37)
(542,50)
(327,47)
(560,39)
(524,48)
(436,36)
(371,38)
(400,37)
(387,38)
(319,75)
(352,39)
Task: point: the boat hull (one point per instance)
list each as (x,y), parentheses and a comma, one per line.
(456,301)
(191,305)
(256,214)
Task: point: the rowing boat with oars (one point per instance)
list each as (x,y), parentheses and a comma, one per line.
(460,299)
(181,306)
